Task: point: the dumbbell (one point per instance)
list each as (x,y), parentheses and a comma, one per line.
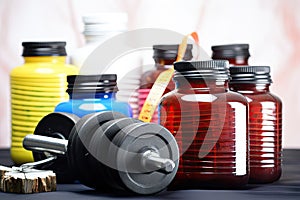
(107,150)
(55,125)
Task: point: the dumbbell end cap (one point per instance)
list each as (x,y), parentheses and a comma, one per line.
(169,166)
(157,168)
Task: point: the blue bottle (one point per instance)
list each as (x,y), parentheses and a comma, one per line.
(93,93)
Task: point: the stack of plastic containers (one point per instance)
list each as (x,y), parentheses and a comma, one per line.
(36,88)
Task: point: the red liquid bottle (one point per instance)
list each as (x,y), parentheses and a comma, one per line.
(236,54)
(209,123)
(164,57)
(265,121)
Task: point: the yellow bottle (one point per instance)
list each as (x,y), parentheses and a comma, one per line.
(36,88)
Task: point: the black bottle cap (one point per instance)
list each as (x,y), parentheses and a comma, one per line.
(169,52)
(230,51)
(250,74)
(210,69)
(44,49)
(92,83)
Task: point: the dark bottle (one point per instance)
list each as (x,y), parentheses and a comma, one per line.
(265,121)
(236,54)
(209,123)
(164,57)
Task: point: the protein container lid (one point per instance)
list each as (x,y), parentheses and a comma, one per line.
(230,51)
(210,69)
(170,51)
(250,74)
(104,23)
(92,83)
(44,49)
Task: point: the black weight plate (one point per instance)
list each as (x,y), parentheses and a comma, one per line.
(132,141)
(72,144)
(111,128)
(82,134)
(113,151)
(57,125)
(100,144)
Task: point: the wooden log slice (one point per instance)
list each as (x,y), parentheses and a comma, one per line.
(31,181)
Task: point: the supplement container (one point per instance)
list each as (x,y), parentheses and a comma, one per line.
(36,88)
(265,121)
(106,28)
(93,93)
(209,123)
(164,57)
(98,27)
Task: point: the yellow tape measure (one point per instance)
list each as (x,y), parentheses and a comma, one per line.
(162,82)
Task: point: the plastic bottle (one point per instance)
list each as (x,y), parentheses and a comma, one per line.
(209,123)
(98,29)
(164,57)
(265,121)
(36,88)
(93,93)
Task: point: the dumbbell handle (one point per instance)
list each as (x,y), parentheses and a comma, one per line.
(149,159)
(45,144)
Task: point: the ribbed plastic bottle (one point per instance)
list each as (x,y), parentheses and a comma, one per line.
(93,93)
(265,121)
(164,57)
(36,88)
(236,54)
(209,123)
(98,29)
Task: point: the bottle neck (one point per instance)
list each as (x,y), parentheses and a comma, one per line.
(99,38)
(163,63)
(201,86)
(249,88)
(92,39)
(239,60)
(96,95)
(45,59)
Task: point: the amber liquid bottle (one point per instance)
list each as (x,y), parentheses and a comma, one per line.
(265,121)
(209,123)
(236,54)
(164,57)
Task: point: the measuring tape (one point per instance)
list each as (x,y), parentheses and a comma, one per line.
(162,82)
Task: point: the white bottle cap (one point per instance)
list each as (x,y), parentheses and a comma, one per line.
(101,24)
(105,17)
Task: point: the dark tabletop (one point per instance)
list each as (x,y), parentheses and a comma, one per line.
(288,187)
